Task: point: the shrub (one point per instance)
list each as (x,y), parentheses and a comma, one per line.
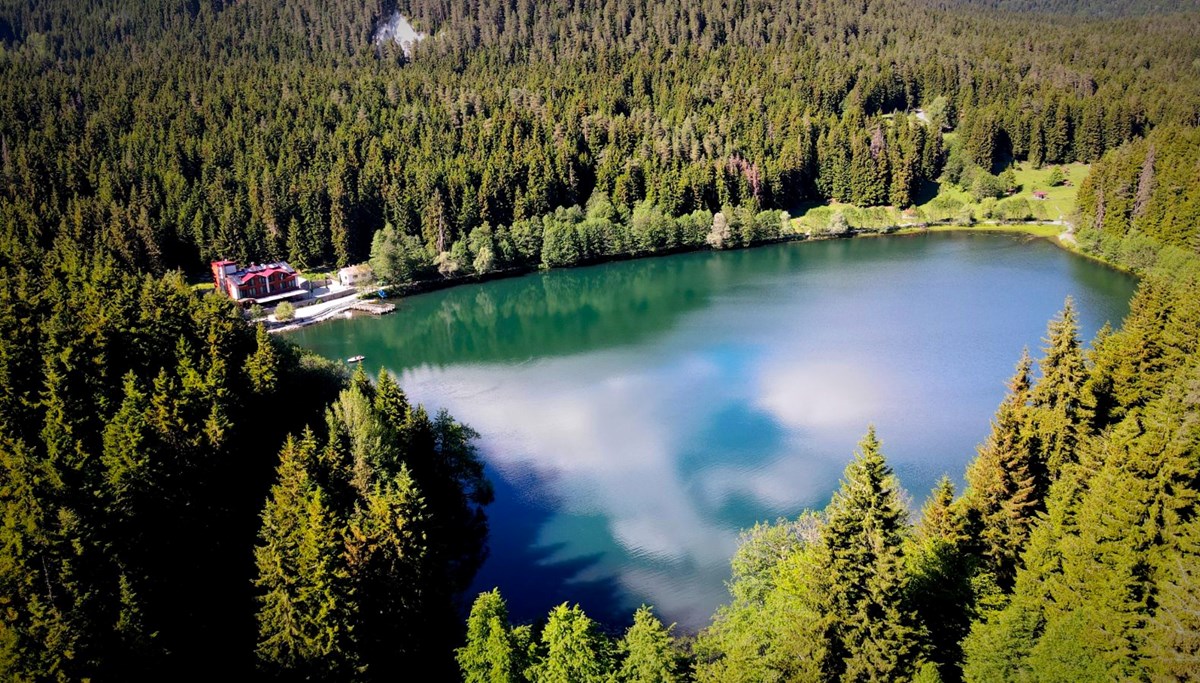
(285,311)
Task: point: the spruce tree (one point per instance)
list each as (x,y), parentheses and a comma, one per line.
(490,654)
(397,596)
(873,634)
(304,622)
(1006,482)
(941,568)
(572,649)
(1172,645)
(262,367)
(1060,417)
(647,651)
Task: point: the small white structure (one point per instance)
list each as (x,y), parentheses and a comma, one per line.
(355,276)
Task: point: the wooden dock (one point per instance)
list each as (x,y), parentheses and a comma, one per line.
(374,307)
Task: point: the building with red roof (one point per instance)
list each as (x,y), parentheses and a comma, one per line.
(266,283)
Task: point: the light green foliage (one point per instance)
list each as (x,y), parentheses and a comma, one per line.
(771,629)
(720,234)
(1008,180)
(984,185)
(571,651)
(1173,634)
(492,654)
(396,257)
(826,605)
(285,311)
(647,653)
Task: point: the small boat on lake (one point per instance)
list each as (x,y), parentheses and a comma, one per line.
(355,359)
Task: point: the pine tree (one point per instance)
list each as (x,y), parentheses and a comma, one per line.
(396,593)
(647,651)
(1006,482)
(572,650)
(490,654)
(262,366)
(304,622)
(1172,644)
(1060,418)
(873,635)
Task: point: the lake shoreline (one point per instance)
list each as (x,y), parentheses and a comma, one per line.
(1047,230)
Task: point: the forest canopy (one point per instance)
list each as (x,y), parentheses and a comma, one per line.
(173,133)
(162,503)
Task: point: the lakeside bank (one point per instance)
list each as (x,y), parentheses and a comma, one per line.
(1052,231)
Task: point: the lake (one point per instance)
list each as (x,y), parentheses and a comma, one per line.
(634,416)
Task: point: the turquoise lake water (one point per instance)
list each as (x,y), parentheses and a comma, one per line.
(635,415)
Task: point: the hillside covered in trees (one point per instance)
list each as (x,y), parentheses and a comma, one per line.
(166,512)
(175,133)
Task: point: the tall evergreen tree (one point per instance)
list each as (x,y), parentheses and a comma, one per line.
(873,634)
(304,622)
(1060,417)
(490,654)
(262,365)
(398,599)
(941,589)
(647,653)
(1006,482)
(572,650)
(1173,635)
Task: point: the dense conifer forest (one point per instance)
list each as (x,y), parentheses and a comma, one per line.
(183,495)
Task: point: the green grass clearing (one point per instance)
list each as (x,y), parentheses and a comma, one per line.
(943,203)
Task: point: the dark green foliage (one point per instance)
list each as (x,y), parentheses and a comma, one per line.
(941,591)
(137,420)
(263,366)
(1059,416)
(254,131)
(873,633)
(401,531)
(139,423)
(305,619)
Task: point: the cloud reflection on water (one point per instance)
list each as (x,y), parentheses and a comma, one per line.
(606,444)
(638,415)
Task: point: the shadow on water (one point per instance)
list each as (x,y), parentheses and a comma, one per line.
(529,575)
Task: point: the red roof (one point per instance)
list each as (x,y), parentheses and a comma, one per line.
(265,270)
